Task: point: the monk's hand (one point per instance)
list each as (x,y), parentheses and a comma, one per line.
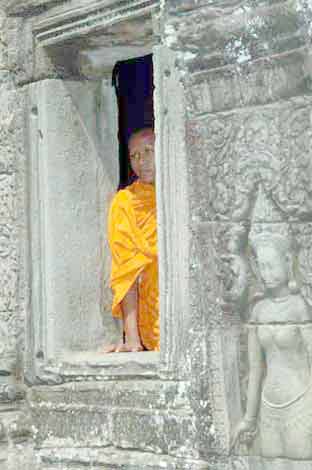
(131,346)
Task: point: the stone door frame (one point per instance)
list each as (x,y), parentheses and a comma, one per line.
(63,28)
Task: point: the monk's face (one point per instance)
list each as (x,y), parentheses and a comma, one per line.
(142,156)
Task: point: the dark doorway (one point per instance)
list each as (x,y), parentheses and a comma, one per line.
(134,84)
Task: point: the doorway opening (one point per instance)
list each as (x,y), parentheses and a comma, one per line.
(133,80)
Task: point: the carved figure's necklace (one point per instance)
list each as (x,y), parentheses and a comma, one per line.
(280,299)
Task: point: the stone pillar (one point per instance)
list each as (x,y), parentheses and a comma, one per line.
(15,431)
(246,75)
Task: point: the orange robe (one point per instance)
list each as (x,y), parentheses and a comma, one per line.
(133,242)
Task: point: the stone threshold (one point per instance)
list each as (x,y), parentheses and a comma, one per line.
(99,366)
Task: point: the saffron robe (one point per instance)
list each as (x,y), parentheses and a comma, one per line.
(133,243)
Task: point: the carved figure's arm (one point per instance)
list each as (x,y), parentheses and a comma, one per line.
(306,332)
(246,428)
(256,371)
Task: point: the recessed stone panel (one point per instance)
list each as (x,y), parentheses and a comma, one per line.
(73,180)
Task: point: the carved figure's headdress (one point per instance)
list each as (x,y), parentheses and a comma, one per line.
(268,226)
(277,235)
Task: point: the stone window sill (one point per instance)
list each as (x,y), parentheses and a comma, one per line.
(81,365)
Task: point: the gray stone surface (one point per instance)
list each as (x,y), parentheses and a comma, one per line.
(233,123)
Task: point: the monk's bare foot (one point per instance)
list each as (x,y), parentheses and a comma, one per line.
(131,347)
(111,348)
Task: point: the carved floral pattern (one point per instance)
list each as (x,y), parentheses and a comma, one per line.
(268,150)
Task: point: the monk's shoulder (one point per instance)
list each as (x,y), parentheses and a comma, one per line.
(122,199)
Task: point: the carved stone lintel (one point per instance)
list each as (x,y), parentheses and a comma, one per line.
(85,20)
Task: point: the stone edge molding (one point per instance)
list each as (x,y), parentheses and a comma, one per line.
(82,21)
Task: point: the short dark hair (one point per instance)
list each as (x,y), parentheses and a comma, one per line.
(144,131)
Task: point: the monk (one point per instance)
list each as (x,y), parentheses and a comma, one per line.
(133,243)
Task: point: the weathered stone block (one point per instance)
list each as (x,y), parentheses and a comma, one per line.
(11,136)
(18,7)
(236,35)
(70,426)
(256,83)
(153,394)
(139,429)
(181,435)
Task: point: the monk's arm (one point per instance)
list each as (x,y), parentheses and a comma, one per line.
(129,306)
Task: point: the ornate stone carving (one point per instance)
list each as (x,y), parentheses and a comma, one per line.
(7,192)
(293,193)
(267,152)
(6,245)
(8,284)
(234,269)
(279,396)
(304,263)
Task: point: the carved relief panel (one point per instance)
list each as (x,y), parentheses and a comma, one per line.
(267,150)
(251,181)
(277,420)
(11,149)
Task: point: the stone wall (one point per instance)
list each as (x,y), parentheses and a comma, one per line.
(233,121)
(246,74)
(15,422)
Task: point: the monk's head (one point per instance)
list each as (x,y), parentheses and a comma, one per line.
(141,147)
